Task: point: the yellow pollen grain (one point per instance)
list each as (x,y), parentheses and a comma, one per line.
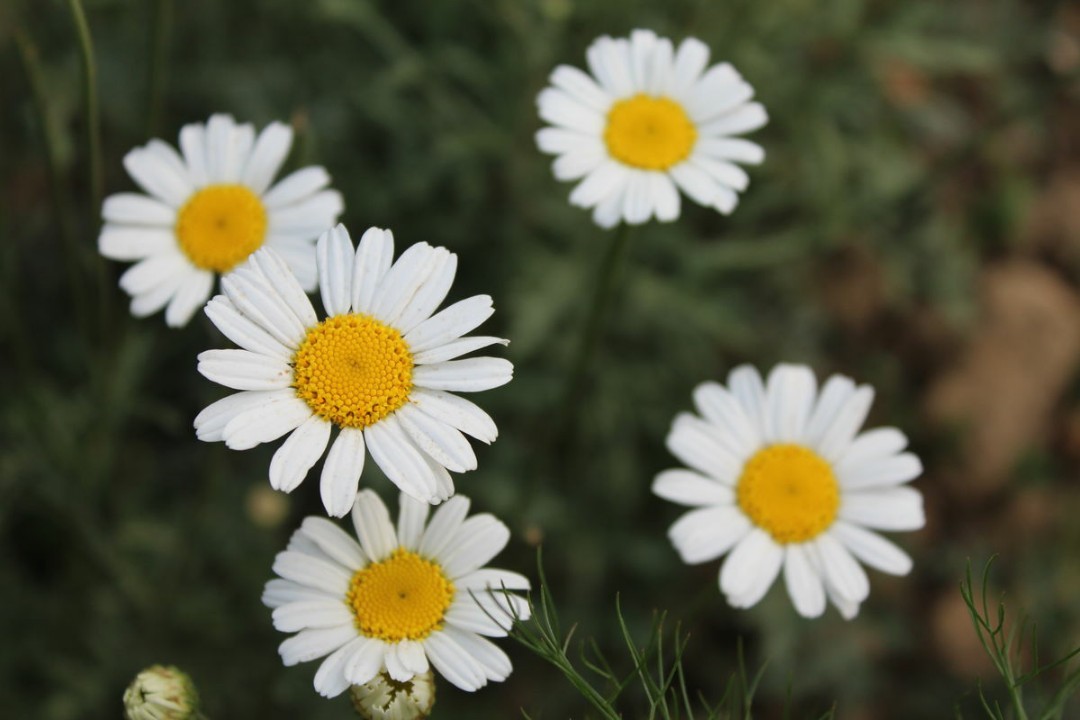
(353,370)
(220,225)
(790,492)
(652,133)
(404,597)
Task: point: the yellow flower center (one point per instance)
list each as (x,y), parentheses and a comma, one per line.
(404,597)
(353,370)
(652,133)
(220,225)
(790,492)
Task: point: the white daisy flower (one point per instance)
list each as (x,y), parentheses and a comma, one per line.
(782,478)
(208,209)
(400,599)
(381,368)
(648,119)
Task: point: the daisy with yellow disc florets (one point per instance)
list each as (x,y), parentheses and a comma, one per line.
(207,209)
(382,368)
(782,479)
(403,599)
(649,119)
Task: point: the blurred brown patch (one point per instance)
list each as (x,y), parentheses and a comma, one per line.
(265,506)
(955,640)
(1006,383)
(904,85)
(1053,226)
(853,287)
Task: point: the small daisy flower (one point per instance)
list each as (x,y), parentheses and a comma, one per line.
(380,368)
(207,209)
(782,478)
(403,599)
(648,119)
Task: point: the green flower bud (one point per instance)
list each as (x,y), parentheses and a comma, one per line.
(383,698)
(161,692)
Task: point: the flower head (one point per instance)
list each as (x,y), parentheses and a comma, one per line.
(402,600)
(380,368)
(207,209)
(648,119)
(161,692)
(384,698)
(782,478)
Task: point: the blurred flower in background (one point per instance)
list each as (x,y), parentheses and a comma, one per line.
(209,209)
(648,119)
(401,598)
(782,478)
(379,368)
(161,692)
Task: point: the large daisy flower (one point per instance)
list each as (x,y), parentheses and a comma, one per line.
(649,118)
(782,478)
(400,599)
(380,367)
(207,209)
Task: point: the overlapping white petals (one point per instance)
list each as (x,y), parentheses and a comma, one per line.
(264,310)
(309,595)
(716,100)
(870,469)
(219,152)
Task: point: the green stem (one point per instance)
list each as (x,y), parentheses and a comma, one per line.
(601,299)
(159,53)
(93,116)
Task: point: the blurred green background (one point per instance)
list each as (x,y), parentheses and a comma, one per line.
(916,225)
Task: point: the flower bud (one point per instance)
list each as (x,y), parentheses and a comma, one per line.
(383,698)
(161,692)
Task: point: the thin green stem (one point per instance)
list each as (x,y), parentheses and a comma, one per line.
(159,53)
(93,115)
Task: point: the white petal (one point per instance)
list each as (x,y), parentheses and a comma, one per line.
(696,183)
(578,163)
(840,569)
(313,644)
(154,299)
(456,348)
(834,396)
(365,662)
(872,445)
(457,412)
(581,88)
(249,293)
(725,173)
(153,271)
(896,508)
(609,60)
(739,434)
(694,442)
(135,209)
(243,331)
(449,324)
(245,370)
(395,668)
(310,216)
(665,197)
(312,572)
(881,473)
(599,184)
(790,394)
(707,533)
(265,423)
(431,292)
(872,549)
(642,46)
(296,187)
(189,298)
(221,160)
(298,616)
(412,656)
(468,375)
(846,423)
(300,451)
(193,145)
(557,141)
(718,91)
(477,541)
(768,563)
(689,488)
(158,177)
(494,579)
(442,442)
(745,562)
(341,472)
(267,156)
(210,423)
(279,277)
(400,460)
(495,663)
(412,514)
(467,614)
(444,525)
(373,526)
(334,251)
(404,279)
(561,109)
(804,585)
(453,663)
(690,61)
(637,201)
(609,209)
(135,243)
(330,680)
(280,592)
(741,120)
(733,149)
(374,255)
(334,541)
(300,257)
